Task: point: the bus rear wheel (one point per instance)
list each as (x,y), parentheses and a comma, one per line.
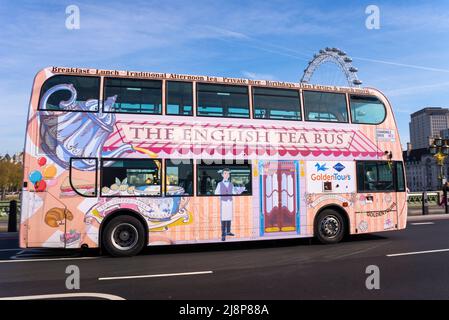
(329,226)
(123,236)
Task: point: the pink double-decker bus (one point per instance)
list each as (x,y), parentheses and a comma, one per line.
(121,160)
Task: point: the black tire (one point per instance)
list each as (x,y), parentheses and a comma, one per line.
(329,226)
(123,236)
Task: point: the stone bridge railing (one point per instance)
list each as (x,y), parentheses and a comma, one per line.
(414,199)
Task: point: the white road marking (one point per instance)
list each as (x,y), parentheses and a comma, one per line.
(66,295)
(157,275)
(416,252)
(46,259)
(422,223)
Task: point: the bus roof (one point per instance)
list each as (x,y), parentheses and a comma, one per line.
(198,78)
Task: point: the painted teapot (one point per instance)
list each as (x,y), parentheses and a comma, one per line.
(66,134)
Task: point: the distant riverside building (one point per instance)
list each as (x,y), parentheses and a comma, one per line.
(426,124)
(444,134)
(422,170)
(15,158)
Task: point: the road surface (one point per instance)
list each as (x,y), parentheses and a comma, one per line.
(413,264)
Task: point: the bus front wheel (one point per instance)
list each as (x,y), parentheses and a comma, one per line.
(123,236)
(329,226)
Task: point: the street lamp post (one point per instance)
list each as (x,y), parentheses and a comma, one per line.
(440,150)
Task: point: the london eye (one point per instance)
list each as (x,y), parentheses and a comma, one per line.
(336,57)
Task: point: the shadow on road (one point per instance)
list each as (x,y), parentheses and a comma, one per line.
(251,245)
(192,248)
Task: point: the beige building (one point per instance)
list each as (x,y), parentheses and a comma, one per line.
(426,124)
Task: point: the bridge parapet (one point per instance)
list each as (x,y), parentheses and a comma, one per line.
(415,199)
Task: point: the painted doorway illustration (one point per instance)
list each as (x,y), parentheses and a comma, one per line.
(279,203)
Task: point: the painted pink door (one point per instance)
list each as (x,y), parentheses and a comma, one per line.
(279,196)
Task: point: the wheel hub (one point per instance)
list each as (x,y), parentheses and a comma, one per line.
(124,236)
(330,226)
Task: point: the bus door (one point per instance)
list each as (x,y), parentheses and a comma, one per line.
(46,221)
(377,203)
(279,205)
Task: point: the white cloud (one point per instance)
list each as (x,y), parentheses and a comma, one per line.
(417,89)
(257,76)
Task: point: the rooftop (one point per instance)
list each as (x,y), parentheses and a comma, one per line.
(431,111)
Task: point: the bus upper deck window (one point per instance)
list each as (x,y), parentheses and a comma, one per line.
(276,104)
(132,96)
(179,98)
(223,101)
(325,106)
(367,110)
(70,93)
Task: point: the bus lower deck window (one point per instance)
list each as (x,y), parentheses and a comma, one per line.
(238,174)
(131,177)
(178,177)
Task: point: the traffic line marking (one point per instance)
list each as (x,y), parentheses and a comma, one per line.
(66,295)
(46,259)
(422,223)
(416,252)
(156,275)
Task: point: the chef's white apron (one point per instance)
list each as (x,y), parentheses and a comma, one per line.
(226,210)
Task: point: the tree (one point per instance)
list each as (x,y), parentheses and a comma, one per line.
(10,177)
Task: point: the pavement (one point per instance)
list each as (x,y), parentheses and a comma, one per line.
(412,264)
(4,226)
(415,211)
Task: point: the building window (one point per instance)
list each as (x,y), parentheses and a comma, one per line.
(130,177)
(325,106)
(210,176)
(367,110)
(178,177)
(222,101)
(132,96)
(179,98)
(276,104)
(70,93)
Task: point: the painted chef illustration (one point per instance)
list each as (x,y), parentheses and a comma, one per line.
(225,189)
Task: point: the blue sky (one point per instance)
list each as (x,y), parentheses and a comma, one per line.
(407,58)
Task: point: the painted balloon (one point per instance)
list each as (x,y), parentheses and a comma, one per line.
(35,176)
(40,186)
(49,172)
(41,161)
